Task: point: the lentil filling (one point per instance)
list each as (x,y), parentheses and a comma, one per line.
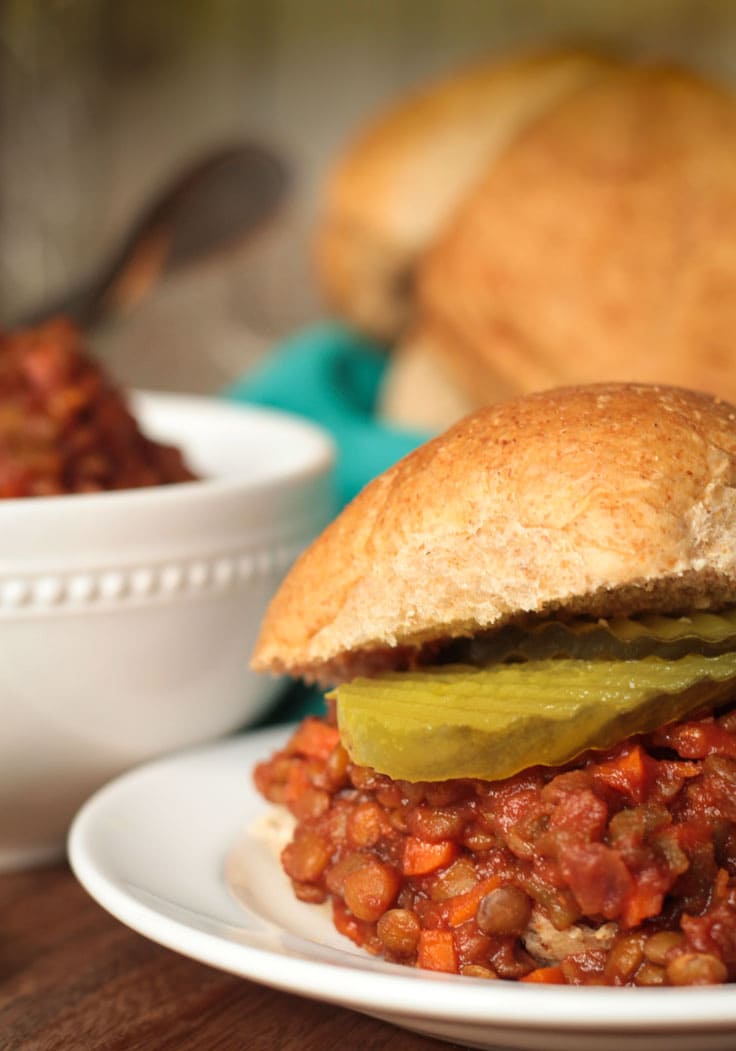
(617,869)
(65,427)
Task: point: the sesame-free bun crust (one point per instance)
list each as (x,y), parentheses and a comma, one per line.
(599,499)
(419,388)
(599,246)
(393,188)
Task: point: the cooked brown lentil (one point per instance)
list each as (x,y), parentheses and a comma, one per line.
(505,910)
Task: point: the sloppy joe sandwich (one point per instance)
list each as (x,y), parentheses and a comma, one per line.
(527,628)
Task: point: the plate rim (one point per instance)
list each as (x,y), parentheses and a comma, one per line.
(408,993)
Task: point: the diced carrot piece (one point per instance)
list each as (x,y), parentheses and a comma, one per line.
(436,951)
(463,907)
(631,772)
(546,976)
(421,857)
(314,738)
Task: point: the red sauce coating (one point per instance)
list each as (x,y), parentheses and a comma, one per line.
(627,859)
(65,427)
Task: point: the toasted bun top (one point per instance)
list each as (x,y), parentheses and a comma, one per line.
(598,499)
(600,246)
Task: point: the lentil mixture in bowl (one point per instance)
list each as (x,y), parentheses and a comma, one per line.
(619,869)
(65,427)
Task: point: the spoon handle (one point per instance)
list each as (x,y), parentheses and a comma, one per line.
(211,204)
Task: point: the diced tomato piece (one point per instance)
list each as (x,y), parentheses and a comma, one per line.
(696,740)
(598,878)
(643,902)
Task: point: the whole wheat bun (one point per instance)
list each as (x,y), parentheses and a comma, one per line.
(600,245)
(394,187)
(600,500)
(420,388)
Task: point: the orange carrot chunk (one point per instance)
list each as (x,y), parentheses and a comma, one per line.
(436,951)
(463,907)
(421,857)
(546,976)
(630,773)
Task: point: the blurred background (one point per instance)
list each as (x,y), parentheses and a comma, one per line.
(102,100)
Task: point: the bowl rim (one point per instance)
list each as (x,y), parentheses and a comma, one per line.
(173,492)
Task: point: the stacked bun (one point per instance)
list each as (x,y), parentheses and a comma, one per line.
(402,179)
(554,219)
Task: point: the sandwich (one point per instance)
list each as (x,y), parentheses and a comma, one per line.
(527,629)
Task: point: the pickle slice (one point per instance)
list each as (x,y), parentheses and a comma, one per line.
(461,721)
(626,638)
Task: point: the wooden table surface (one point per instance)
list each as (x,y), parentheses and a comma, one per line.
(72,977)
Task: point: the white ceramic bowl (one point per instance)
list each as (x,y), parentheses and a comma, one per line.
(127,618)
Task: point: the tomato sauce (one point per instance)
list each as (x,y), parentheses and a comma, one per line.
(64,427)
(619,869)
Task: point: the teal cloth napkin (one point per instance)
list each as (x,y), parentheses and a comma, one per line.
(332,376)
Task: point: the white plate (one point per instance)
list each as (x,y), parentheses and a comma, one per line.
(152,848)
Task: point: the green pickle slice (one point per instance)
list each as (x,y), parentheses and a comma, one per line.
(491,722)
(627,638)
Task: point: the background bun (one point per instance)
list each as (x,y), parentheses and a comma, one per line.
(394,188)
(597,499)
(600,245)
(549,219)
